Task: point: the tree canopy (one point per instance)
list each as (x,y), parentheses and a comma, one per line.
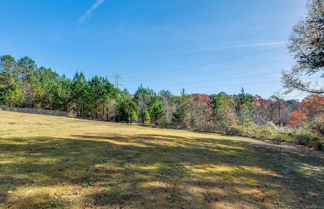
(306,43)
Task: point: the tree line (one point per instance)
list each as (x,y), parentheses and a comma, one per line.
(23,84)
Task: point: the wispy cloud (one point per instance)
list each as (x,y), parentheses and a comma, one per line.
(89,12)
(262,44)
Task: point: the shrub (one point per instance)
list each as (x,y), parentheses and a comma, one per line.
(291,137)
(317,126)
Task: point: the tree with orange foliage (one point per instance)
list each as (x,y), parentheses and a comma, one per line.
(299,118)
(311,107)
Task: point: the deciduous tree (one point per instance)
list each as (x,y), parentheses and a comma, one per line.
(307,45)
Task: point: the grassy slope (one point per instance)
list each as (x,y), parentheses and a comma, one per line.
(57,162)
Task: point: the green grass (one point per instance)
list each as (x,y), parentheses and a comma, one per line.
(58,162)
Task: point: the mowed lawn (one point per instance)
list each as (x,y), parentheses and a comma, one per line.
(58,162)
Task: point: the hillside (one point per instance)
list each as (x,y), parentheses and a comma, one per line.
(58,162)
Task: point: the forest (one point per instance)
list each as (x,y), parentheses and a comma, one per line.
(24,84)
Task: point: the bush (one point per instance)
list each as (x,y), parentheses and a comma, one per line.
(264,133)
(317,126)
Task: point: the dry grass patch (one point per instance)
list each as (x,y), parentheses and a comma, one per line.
(57,162)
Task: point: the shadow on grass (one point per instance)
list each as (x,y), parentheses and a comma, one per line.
(154,171)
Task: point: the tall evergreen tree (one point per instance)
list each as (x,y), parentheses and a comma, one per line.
(144,98)
(80,93)
(156,111)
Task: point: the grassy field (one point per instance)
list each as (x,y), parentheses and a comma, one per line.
(58,162)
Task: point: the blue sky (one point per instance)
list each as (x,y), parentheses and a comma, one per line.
(204,46)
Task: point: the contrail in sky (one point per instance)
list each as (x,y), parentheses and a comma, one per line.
(88,13)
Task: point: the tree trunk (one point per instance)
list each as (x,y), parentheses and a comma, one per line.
(107,114)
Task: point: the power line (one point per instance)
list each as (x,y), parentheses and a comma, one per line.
(287,13)
(219,70)
(242,84)
(239,30)
(209,63)
(181,69)
(231,78)
(239,38)
(189,67)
